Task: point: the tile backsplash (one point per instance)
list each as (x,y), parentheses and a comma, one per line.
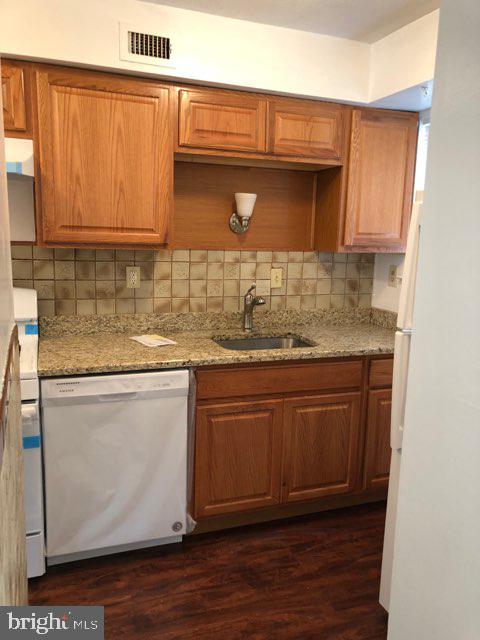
(92,281)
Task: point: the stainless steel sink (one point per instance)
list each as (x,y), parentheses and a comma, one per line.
(278,342)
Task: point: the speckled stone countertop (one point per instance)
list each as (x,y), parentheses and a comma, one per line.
(73,346)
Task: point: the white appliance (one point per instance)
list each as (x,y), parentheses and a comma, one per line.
(115,454)
(26,317)
(20,173)
(403,337)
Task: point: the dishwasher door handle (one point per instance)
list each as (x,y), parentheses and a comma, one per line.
(117,397)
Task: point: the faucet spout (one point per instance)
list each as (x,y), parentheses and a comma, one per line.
(250,301)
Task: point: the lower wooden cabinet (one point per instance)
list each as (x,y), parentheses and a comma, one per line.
(377,446)
(321,445)
(238,456)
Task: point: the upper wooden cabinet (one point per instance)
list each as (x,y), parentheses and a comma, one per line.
(380,178)
(106,158)
(306,128)
(222,120)
(13,98)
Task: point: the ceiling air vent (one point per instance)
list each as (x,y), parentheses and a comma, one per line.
(146,44)
(145,48)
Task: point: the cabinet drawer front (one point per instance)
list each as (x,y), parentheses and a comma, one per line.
(106,157)
(321,446)
(381,373)
(221,120)
(251,381)
(378,210)
(13,98)
(309,129)
(237,456)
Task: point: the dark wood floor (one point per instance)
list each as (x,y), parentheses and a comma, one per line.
(314,577)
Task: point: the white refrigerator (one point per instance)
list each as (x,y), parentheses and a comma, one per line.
(403,337)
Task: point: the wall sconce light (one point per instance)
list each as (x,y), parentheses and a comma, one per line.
(240,220)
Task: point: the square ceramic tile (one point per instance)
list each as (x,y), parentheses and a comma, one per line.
(126,305)
(309,270)
(230,304)
(43,269)
(307,302)
(162,289)
(180,255)
(144,305)
(214,288)
(309,287)
(294,287)
(42,253)
(215,271)
(365,300)
(198,255)
(248,270)
(124,255)
(339,270)
(65,307)
(292,302)
(64,290)
(146,269)
(366,285)
(104,270)
(324,286)
(180,305)
(121,290)
(231,271)
(337,301)
(105,289)
(180,288)
(215,256)
(366,270)
(121,270)
(198,288)
(180,270)
(322,302)
(163,255)
(162,305)
(232,256)
(353,270)
(64,254)
(231,288)
(45,289)
(280,256)
(22,269)
(104,254)
(338,286)
(263,288)
(351,286)
(248,256)
(277,303)
(294,270)
(324,270)
(46,308)
(86,307)
(214,304)
(143,255)
(24,284)
(162,270)
(198,271)
(351,300)
(263,270)
(198,304)
(85,290)
(21,251)
(64,270)
(264,256)
(145,290)
(295,256)
(85,254)
(309,256)
(85,270)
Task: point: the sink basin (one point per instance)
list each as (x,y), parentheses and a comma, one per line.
(278,342)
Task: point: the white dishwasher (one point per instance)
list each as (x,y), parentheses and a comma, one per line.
(115,457)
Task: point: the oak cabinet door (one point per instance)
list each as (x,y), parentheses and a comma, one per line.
(320,446)
(237,456)
(377,449)
(13,98)
(106,156)
(307,128)
(380,178)
(222,120)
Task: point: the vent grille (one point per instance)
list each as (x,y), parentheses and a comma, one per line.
(151,46)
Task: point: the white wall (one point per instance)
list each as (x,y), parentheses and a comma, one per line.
(405,58)
(223,51)
(383,295)
(436,576)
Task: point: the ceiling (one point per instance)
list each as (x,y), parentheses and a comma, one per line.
(364,20)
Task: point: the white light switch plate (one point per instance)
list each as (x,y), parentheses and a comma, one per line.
(276,276)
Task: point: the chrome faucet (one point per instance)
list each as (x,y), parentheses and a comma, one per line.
(249,303)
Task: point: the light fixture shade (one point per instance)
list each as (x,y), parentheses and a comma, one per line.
(245,203)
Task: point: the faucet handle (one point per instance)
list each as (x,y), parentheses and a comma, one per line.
(252,288)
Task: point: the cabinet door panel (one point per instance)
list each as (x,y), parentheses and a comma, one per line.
(377,450)
(380,179)
(13,98)
(222,120)
(307,128)
(321,446)
(106,159)
(237,456)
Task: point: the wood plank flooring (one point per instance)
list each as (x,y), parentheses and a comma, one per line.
(314,577)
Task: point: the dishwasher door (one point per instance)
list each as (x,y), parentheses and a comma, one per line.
(115,456)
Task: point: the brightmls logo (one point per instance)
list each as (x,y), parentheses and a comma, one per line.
(56,622)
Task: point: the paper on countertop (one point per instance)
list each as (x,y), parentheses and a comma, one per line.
(152,340)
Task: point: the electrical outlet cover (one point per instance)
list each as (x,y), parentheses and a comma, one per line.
(133,277)
(276,276)
(392,275)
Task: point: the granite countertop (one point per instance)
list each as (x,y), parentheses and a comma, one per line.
(67,350)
